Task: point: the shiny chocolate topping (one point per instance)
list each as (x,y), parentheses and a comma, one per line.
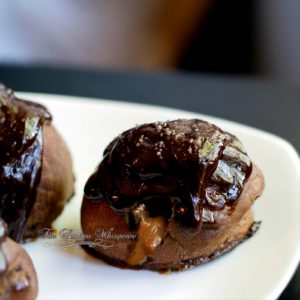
(186,170)
(21,148)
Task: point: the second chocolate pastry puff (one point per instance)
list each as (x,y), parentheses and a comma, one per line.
(36,177)
(18,280)
(183,189)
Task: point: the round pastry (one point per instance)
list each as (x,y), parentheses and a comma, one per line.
(182,189)
(18,280)
(36,177)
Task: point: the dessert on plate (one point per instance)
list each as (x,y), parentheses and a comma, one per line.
(18,280)
(183,189)
(36,177)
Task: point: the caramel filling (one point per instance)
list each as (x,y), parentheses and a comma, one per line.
(150,234)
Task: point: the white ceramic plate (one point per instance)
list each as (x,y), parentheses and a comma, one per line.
(259,268)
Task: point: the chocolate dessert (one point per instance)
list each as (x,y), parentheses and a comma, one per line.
(184,188)
(18,279)
(36,177)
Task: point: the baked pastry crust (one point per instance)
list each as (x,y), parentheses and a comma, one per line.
(56,185)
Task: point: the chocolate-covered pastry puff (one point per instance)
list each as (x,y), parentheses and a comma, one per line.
(184,190)
(18,279)
(36,177)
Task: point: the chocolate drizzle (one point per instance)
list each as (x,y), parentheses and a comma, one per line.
(21,148)
(186,170)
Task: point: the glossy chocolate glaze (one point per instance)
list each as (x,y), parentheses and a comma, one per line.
(186,170)
(21,148)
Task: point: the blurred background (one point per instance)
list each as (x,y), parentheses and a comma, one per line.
(260,38)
